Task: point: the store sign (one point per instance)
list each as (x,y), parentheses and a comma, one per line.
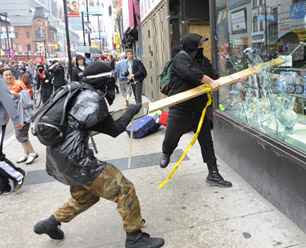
(239,22)
(244,40)
(147,7)
(283,28)
(258,37)
(75,8)
(4,35)
(284,17)
(127,15)
(297,11)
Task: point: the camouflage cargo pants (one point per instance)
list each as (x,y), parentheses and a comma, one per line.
(111,185)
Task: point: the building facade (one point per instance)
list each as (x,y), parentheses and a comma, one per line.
(37,28)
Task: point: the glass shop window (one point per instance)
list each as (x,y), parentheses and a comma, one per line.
(274,99)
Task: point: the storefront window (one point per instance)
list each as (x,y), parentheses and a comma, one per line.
(249,33)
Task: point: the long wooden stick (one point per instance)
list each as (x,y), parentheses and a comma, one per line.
(197,91)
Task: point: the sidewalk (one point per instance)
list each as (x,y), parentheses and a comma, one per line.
(187,212)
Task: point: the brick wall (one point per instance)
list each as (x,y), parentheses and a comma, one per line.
(36,43)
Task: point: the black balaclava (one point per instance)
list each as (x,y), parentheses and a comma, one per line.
(40,68)
(105,83)
(191,42)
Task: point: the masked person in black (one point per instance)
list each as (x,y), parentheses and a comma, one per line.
(190,68)
(73,163)
(78,70)
(57,75)
(44,85)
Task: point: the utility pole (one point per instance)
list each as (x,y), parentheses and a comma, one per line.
(46,49)
(83,27)
(7,32)
(89,41)
(100,45)
(266,29)
(67,37)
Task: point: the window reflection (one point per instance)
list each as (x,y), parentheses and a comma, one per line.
(251,32)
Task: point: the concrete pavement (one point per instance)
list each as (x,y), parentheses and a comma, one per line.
(187,212)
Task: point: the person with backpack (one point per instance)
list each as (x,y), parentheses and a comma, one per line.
(136,73)
(72,162)
(7,169)
(190,68)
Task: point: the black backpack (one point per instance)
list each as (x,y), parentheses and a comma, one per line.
(50,122)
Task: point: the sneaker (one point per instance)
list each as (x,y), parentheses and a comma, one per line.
(18,185)
(22,159)
(164,160)
(31,158)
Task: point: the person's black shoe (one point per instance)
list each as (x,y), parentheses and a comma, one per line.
(164,160)
(7,190)
(214,178)
(49,226)
(141,239)
(18,185)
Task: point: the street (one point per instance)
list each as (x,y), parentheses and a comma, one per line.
(187,212)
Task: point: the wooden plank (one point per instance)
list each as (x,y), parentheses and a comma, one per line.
(197,91)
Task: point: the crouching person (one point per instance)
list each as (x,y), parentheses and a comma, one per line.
(71,162)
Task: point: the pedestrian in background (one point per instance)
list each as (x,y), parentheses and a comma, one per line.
(78,70)
(57,75)
(7,169)
(26,79)
(44,86)
(112,64)
(87,59)
(22,135)
(125,87)
(32,68)
(136,73)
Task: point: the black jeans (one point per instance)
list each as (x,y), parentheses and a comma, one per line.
(45,95)
(179,122)
(137,90)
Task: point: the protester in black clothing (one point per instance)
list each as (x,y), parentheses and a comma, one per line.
(44,85)
(57,75)
(136,74)
(190,68)
(78,70)
(73,163)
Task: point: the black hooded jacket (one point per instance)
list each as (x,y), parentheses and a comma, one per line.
(77,72)
(58,76)
(71,161)
(188,69)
